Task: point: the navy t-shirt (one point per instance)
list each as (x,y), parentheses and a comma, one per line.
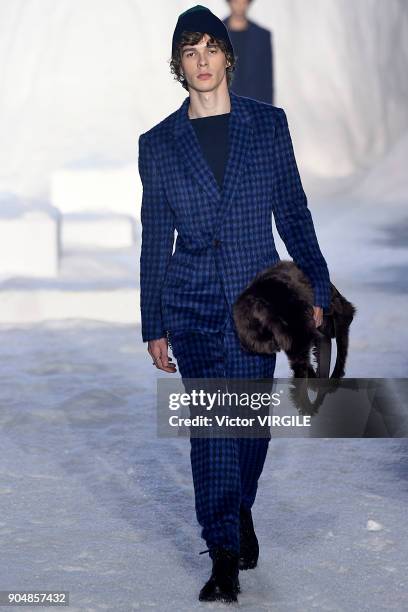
(212,134)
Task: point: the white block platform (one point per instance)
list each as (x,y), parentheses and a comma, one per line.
(108,189)
(28,306)
(104,230)
(29,237)
(98,284)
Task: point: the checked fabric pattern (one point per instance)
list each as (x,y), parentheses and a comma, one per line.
(225,470)
(224,237)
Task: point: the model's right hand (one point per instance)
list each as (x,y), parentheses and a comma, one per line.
(158,350)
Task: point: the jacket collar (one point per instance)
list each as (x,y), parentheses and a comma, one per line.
(191,154)
(238,110)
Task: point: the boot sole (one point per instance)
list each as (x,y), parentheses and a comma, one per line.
(222,596)
(227,598)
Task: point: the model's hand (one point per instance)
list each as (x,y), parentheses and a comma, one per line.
(318,315)
(158,350)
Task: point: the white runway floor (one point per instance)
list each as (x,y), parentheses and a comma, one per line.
(93,503)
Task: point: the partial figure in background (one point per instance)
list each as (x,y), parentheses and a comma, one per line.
(253,75)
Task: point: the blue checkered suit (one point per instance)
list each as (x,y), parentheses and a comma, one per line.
(223,237)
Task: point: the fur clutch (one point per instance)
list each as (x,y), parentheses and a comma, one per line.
(275,312)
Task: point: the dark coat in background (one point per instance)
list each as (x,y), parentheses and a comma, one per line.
(254,74)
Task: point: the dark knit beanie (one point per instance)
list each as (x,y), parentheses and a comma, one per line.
(200,19)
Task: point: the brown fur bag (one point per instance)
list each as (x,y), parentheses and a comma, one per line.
(275,312)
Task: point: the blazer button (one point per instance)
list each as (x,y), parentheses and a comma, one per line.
(216,242)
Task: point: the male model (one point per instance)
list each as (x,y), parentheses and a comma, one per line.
(215,170)
(253,75)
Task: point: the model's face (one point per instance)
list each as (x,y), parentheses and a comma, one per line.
(239,8)
(203,65)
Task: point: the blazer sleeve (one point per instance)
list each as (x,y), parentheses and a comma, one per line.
(158,228)
(293,218)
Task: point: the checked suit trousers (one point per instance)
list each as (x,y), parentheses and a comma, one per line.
(225,470)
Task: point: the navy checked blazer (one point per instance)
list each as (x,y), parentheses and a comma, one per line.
(224,237)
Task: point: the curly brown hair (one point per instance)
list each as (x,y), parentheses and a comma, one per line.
(193,38)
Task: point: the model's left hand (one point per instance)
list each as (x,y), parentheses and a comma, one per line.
(318,315)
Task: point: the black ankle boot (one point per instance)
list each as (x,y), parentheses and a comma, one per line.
(249,547)
(223,583)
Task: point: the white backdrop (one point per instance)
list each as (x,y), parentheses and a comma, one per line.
(80,80)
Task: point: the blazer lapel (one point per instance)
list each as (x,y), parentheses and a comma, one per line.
(190,151)
(240,134)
